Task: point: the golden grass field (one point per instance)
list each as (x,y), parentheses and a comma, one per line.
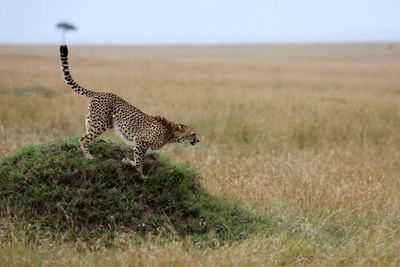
(308,135)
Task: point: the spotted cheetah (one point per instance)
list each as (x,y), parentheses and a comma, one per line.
(142,131)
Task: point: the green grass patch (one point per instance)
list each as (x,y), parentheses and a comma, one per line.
(52,188)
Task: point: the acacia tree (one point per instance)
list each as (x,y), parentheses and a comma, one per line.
(64,27)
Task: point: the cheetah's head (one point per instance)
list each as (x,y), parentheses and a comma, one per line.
(185,135)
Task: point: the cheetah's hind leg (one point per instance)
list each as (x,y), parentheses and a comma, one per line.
(92,132)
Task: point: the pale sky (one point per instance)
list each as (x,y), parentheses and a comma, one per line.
(200,21)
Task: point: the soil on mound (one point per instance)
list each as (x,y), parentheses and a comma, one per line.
(52,187)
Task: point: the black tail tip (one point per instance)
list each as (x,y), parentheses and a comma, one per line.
(63,50)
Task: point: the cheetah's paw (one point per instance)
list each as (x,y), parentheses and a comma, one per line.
(128,161)
(89,157)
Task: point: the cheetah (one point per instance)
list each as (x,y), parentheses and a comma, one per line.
(142,131)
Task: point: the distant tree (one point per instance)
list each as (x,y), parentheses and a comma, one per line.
(65,26)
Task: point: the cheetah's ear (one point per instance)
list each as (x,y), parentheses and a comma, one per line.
(161,118)
(176,127)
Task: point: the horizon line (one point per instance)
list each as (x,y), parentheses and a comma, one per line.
(333,42)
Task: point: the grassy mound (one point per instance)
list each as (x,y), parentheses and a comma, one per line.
(52,187)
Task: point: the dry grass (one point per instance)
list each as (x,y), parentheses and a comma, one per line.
(306,134)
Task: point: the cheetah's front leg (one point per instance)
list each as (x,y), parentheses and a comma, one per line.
(137,162)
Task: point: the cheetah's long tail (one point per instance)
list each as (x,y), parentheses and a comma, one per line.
(67,74)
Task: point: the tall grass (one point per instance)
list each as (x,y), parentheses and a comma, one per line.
(306,134)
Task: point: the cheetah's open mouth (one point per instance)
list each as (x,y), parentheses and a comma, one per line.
(194,142)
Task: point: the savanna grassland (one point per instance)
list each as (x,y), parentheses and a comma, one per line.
(306,135)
